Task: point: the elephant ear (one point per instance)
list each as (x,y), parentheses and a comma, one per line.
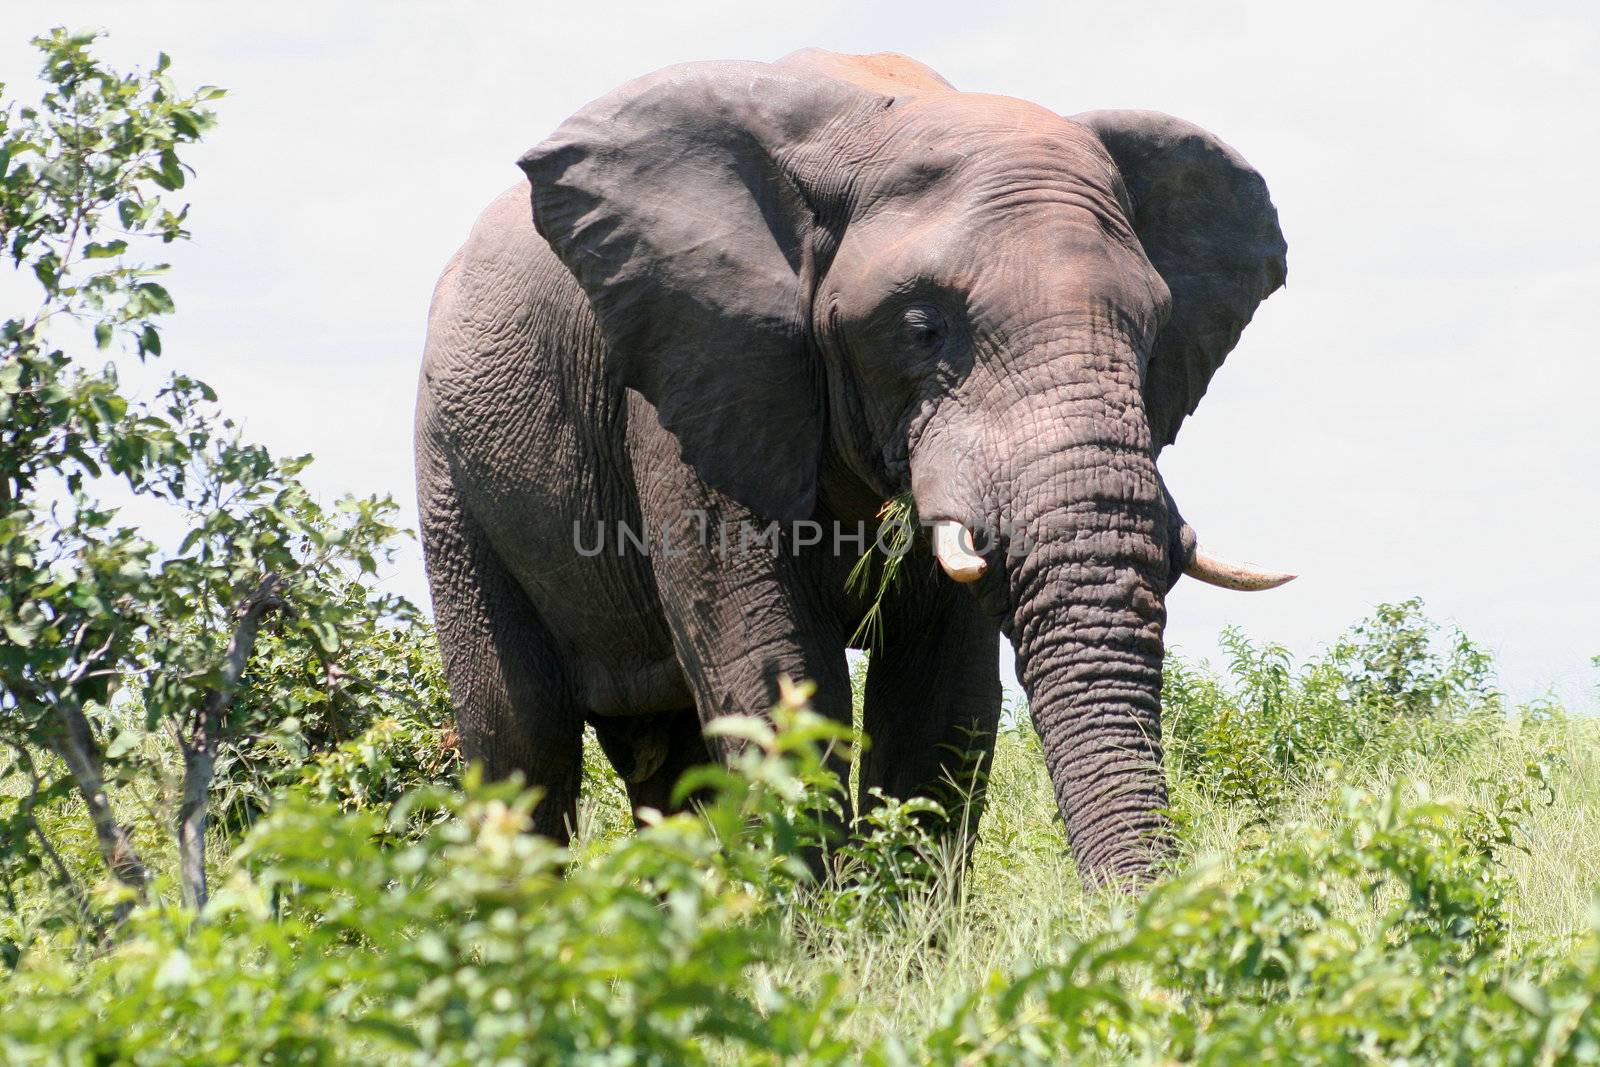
(686,203)
(1209,227)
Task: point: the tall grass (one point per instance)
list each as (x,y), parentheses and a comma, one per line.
(1381,861)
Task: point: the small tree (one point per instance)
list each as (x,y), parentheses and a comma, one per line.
(1394,656)
(88,604)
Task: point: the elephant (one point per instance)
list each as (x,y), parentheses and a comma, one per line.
(770,297)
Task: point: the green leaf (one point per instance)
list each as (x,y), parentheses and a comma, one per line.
(155,297)
(104,249)
(123,743)
(24,631)
(176,971)
(170,174)
(325,634)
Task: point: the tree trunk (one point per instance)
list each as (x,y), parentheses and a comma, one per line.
(199,764)
(199,741)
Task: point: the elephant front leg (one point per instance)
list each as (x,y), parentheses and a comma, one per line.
(745,616)
(743,608)
(932,701)
(743,612)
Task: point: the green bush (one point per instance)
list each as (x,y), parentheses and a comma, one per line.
(1394,685)
(474,943)
(126,662)
(1256,964)
(363,736)
(1376,931)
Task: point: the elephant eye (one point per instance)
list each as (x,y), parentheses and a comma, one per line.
(923,327)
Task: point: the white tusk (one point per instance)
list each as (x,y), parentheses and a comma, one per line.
(1242,576)
(952,544)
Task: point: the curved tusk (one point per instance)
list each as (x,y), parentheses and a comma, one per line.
(1229,575)
(952,544)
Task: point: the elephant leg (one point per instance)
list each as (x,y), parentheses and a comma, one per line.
(514,709)
(651,753)
(743,608)
(932,703)
(743,616)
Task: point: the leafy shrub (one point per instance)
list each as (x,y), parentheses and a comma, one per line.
(1374,929)
(92,608)
(363,734)
(890,863)
(1257,963)
(473,943)
(1401,660)
(1394,684)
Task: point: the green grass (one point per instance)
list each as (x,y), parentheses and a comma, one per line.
(1022,898)
(1381,862)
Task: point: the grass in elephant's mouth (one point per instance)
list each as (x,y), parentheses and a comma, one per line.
(897,525)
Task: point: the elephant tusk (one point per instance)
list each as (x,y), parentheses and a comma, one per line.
(952,544)
(1229,575)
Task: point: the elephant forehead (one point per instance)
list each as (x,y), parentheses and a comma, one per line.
(957,141)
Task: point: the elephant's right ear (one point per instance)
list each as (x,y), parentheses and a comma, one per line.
(687,205)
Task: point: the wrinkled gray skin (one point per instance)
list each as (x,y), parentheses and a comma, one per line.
(794,290)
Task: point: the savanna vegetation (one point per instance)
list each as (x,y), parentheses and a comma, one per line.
(234,829)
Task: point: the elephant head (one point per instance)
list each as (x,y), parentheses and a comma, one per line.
(841,268)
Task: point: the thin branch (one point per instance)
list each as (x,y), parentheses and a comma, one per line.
(78,747)
(94,657)
(75,743)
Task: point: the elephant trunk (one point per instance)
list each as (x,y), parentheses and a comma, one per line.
(1071,485)
(1087,628)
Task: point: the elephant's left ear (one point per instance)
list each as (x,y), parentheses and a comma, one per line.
(1209,227)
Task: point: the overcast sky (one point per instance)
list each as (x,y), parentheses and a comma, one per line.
(1414,415)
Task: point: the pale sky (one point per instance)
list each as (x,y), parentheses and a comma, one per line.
(1415,414)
